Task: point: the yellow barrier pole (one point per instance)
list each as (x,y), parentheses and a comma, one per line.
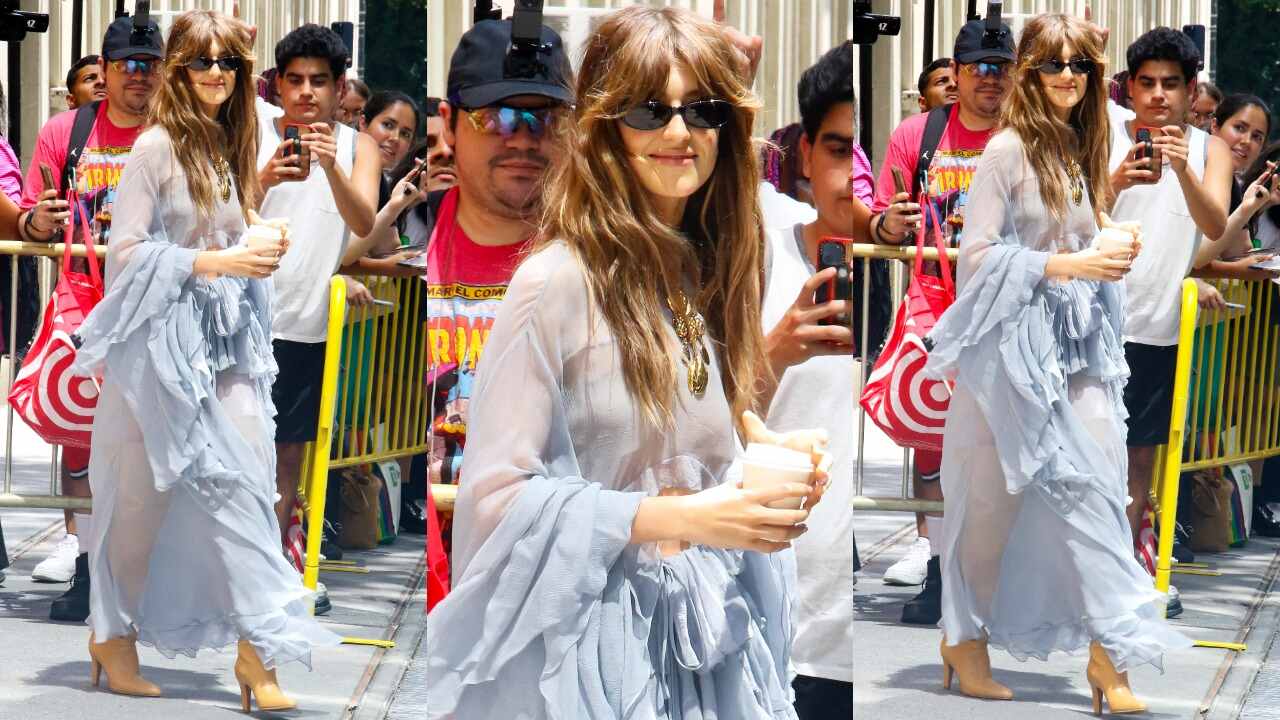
(319,463)
(1177,431)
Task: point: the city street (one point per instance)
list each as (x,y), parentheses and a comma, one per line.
(46,666)
(899,674)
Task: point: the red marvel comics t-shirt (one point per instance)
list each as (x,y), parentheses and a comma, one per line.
(950,173)
(466,282)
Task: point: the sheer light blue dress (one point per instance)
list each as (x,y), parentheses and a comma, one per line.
(184,546)
(553,614)
(1037,552)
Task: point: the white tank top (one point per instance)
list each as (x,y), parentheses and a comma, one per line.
(318,238)
(1153,288)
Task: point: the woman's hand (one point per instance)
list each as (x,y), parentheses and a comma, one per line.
(814,442)
(1259,195)
(258,261)
(357,294)
(729,516)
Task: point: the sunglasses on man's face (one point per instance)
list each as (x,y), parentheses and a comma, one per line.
(1079,66)
(704,114)
(130,66)
(225,64)
(506,121)
(985,69)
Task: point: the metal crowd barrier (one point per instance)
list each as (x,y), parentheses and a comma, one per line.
(8,498)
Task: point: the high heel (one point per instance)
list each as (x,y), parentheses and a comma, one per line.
(258,682)
(119,657)
(1114,686)
(969,662)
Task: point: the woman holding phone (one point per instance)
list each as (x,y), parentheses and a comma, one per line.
(184,550)
(605,563)
(1033,343)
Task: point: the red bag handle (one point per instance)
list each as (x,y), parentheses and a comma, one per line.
(945,264)
(73,200)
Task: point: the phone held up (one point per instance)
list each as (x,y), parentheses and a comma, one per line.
(833,253)
(293,133)
(1148,151)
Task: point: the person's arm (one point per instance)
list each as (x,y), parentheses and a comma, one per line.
(356,196)
(385,237)
(43,214)
(1207,197)
(895,214)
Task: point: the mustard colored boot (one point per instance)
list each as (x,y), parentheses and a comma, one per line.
(119,657)
(259,682)
(969,661)
(1105,681)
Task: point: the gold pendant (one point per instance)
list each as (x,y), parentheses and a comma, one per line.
(697,376)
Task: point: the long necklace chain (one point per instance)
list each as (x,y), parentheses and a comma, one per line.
(222,169)
(1076,176)
(690,329)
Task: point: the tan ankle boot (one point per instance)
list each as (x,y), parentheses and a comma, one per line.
(1104,680)
(969,661)
(119,657)
(256,680)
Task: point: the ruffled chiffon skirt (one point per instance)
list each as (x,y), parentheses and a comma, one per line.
(184,545)
(1037,552)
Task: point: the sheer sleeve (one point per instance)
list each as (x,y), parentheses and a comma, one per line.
(534,541)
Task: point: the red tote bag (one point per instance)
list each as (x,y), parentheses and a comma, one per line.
(908,406)
(45,394)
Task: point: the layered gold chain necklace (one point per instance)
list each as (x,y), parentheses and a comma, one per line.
(690,329)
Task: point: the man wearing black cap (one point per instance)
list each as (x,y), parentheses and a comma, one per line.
(497,121)
(89,146)
(937,153)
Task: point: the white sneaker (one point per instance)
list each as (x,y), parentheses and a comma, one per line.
(61,563)
(912,568)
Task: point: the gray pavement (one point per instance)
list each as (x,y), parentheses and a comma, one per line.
(44,666)
(898,673)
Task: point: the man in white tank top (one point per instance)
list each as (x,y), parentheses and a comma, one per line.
(326,184)
(1179,196)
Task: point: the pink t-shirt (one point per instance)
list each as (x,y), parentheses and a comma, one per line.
(97,172)
(950,173)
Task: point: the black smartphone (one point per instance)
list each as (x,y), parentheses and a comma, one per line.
(1148,151)
(413,175)
(831,254)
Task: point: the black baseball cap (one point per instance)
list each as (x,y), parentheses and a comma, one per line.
(122,42)
(477,69)
(970,46)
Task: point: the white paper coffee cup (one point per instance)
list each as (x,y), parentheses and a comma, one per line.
(768,465)
(259,235)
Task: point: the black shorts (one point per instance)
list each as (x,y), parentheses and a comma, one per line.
(296,392)
(1148,396)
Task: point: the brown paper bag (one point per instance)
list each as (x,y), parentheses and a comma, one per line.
(1210,512)
(359,509)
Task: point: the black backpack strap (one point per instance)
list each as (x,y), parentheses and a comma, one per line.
(934,127)
(86,115)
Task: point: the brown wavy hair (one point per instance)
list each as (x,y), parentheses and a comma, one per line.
(1046,140)
(632,259)
(198,140)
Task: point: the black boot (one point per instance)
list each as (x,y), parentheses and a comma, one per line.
(73,606)
(926,608)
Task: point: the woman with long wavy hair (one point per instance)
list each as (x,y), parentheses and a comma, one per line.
(605,566)
(184,550)
(1036,552)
